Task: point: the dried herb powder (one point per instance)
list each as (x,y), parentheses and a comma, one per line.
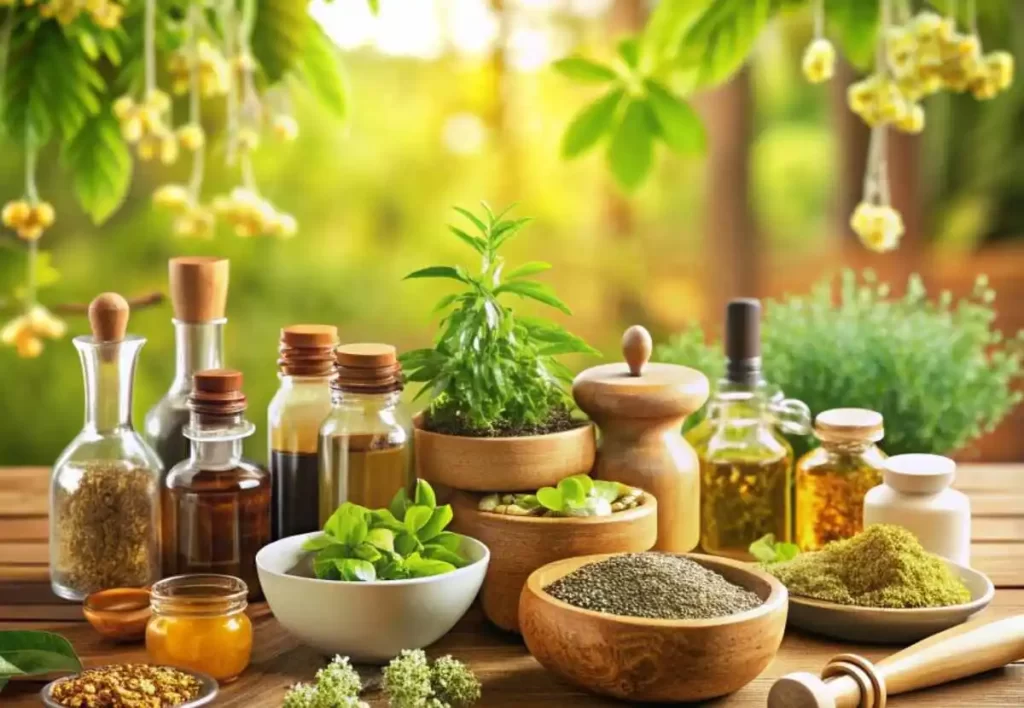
(127,686)
(654,586)
(106,527)
(884,566)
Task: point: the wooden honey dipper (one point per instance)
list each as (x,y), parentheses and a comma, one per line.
(851,681)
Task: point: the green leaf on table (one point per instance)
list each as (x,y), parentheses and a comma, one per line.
(591,124)
(421,567)
(664,31)
(630,151)
(436,552)
(34,652)
(100,166)
(535,291)
(718,43)
(348,524)
(323,73)
(439,520)
(680,126)
(367,552)
(580,69)
(324,562)
(416,517)
(574,490)
(356,570)
(425,494)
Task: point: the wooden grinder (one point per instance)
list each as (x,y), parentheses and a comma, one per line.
(851,681)
(640,409)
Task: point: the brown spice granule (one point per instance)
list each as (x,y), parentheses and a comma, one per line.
(106,535)
(127,686)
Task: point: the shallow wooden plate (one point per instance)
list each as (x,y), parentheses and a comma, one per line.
(889,626)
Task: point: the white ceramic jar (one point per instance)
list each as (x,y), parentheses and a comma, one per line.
(916,494)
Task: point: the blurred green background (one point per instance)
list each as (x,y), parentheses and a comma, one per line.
(464,117)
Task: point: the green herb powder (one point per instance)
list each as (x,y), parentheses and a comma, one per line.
(884,566)
(652,585)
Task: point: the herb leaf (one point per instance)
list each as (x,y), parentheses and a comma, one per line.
(767,550)
(33,652)
(439,519)
(425,494)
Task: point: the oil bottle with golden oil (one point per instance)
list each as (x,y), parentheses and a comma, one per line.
(294,416)
(366,442)
(746,465)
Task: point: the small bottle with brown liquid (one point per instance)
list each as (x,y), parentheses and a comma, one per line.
(293,420)
(366,443)
(216,505)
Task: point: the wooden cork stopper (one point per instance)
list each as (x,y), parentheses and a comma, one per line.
(108,317)
(367,368)
(217,392)
(307,350)
(637,346)
(199,288)
(309,336)
(366,356)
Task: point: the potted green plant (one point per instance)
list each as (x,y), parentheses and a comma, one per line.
(499,418)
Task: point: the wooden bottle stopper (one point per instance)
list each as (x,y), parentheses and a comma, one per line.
(637,346)
(108,317)
(199,288)
(217,392)
(851,681)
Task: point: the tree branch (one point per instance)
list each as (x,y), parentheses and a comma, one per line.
(136,303)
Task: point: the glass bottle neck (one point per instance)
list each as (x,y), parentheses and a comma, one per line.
(198,346)
(846,447)
(217,440)
(376,400)
(108,369)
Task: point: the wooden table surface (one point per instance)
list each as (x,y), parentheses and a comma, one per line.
(510,676)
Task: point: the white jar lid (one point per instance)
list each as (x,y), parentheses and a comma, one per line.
(919,473)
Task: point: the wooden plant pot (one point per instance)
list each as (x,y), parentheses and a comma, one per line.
(645,660)
(522,464)
(521,544)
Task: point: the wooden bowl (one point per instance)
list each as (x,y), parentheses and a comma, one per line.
(522,464)
(646,660)
(882,625)
(521,544)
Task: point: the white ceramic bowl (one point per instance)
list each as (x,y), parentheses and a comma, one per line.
(368,622)
(885,625)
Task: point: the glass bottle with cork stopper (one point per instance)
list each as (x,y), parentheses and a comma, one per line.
(216,505)
(293,420)
(746,464)
(105,489)
(366,442)
(199,291)
(640,408)
(831,480)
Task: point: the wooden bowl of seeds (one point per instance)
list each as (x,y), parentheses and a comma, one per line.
(734,619)
(521,544)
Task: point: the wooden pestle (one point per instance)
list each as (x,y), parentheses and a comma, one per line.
(854,682)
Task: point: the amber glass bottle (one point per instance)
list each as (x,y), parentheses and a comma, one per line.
(831,481)
(366,443)
(216,505)
(293,421)
(746,465)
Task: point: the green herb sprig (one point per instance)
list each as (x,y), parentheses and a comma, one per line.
(411,681)
(336,685)
(27,652)
(579,495)
(406,540)
(938,371)
(490,371)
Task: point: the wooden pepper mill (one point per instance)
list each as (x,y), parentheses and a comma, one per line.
(851,681)
(640,409)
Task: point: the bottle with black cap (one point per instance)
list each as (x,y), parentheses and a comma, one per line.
(746,465)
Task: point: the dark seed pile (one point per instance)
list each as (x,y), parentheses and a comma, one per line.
(652,585)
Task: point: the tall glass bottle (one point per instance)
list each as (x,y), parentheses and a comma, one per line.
(216,505)
(746,464)
(199,287)
(366,443)
(105,489)
(293,421)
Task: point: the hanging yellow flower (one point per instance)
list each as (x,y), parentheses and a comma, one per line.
(29,221)
(819,62)
(878,227)
(26,332)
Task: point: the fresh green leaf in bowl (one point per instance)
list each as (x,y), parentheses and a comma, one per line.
(405,540)
(767,550)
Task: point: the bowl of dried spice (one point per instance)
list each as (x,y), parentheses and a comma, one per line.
(653,626)
(131,686)
(880,586)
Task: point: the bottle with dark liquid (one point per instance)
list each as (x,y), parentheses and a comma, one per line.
(746,465)
(366,443)
(199,288)
(293,421)
(216,505)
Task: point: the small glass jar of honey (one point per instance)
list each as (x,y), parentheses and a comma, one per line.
(199,623)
